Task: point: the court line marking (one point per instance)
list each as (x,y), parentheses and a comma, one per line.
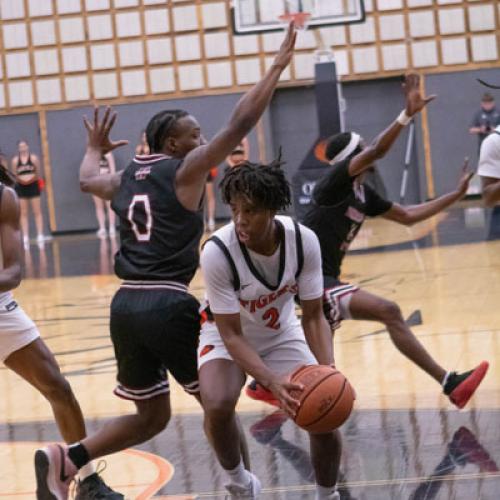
(375,482)
(165,472)
(165,469)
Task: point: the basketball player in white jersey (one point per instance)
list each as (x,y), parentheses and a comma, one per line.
(24,352)
(253,268)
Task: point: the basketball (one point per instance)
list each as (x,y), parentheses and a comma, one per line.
(326,401)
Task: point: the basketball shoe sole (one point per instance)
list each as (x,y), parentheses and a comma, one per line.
(464,391)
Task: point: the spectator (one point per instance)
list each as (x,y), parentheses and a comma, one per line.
(486,119)
(26,168)
(239,154)
(106,167)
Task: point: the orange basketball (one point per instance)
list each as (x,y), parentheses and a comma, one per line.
(326,401)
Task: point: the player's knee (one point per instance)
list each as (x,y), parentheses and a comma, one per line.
(219,408)
(55,388)
(389,311)
(154,421)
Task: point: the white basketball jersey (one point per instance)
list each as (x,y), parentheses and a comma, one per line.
(267,310)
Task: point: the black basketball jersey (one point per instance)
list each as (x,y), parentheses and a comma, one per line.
(159,237)
(337,213)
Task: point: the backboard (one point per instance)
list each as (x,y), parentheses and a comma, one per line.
(258,16)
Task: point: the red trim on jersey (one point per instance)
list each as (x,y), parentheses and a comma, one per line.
(147,159)
(206,349)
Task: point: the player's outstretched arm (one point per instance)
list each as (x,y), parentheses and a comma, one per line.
(191,177)
(10,234)
(415,102)
(99,144)
(412,214)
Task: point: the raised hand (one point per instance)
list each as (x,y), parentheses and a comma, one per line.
(98,132)
(465,177)
(284,56)
(415,102)
(281,387)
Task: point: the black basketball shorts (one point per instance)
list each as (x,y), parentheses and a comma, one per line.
(336,299)
(154,331)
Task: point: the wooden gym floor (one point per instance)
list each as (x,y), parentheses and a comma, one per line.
(404,439)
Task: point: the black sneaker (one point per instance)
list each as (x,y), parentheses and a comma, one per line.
(93,487)
(461,386)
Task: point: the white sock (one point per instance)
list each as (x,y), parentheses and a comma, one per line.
(86,471)
(325,492)
(239,475)
(445,379)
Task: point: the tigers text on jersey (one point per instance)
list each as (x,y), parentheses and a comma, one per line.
(159,237)
(262,289)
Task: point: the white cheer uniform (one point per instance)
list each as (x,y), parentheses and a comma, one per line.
(262,290)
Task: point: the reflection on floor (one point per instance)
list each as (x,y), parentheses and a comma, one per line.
(404,440)
(394,454)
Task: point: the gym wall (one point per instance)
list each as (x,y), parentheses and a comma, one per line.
(290,123)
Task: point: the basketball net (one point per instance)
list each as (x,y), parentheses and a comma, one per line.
(301,20)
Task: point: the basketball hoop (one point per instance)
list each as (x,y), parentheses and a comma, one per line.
(300,19)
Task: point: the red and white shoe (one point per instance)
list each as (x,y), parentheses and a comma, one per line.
(255,391)
(54,472)
(460,387)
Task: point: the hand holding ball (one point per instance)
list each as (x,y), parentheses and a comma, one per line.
(326,400)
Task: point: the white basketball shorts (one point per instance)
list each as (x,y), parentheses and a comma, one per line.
(283,357)
(16,329)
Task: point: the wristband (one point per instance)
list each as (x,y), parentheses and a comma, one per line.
(403,119)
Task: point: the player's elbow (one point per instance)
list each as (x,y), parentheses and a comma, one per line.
(378,150)
(84,186)
(408,220)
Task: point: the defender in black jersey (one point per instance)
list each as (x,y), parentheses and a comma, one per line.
(340,204)
(341,201)
(154,320)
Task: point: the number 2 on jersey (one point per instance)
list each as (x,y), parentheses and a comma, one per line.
(273,315)
(142,230)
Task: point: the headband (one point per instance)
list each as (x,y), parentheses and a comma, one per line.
(344,153)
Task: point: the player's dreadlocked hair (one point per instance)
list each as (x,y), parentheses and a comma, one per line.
(160,126)
(265,185)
